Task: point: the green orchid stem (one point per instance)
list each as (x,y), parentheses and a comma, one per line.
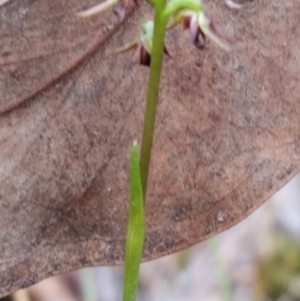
(160,25)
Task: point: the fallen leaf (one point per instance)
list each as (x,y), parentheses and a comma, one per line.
(227,134)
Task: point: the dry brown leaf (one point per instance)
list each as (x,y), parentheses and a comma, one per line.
(227,133)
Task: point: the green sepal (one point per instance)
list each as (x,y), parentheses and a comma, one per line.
(147,35)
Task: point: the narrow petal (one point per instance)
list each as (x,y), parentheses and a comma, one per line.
(200,41)
(180,17)
(147,44)
(147,35)
(2,2)
(127,47)
(174,21)
(176,6)
(186,22)
(120,11)
(145,57)
(194,28)
(233,5)
(95,10)
(209,30)
(167,52)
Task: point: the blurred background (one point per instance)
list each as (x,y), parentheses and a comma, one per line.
(258,259)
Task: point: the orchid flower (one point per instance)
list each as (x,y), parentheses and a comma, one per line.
(143,43)
(201,26)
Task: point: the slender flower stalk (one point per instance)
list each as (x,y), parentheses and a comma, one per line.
(160,26)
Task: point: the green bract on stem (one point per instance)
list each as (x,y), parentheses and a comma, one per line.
(135,229)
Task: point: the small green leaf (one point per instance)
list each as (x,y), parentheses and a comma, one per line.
(135,229)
